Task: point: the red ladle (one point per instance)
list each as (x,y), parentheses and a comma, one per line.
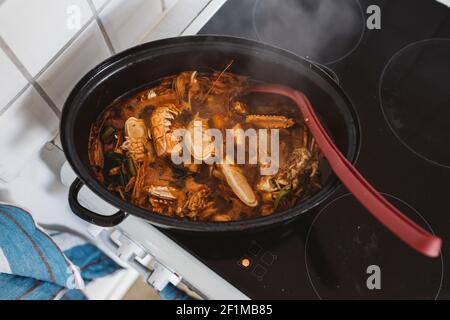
(403,227)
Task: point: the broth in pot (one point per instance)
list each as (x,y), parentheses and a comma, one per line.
(194,146)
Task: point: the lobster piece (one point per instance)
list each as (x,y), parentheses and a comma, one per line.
(161,129)
(136,138)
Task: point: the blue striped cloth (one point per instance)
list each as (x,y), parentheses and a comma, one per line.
(36,266)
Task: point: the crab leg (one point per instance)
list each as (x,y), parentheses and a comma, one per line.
(269,122)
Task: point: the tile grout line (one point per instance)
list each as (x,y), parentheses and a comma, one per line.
(163,14)
(166,11)
(70,41)
(31,80)
(163,5)
(65,47)
(101,26)
(103,6)
(17,96)
(195,18)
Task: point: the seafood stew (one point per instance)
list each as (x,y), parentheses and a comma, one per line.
(132,143)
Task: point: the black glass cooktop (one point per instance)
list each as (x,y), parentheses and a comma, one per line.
(398,78)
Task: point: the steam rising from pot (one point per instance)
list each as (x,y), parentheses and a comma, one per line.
(321,30)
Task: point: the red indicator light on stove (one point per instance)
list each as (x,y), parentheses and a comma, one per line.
(245,263)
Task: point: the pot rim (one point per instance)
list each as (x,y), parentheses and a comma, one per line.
(86,177)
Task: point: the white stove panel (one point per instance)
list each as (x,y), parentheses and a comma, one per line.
(137,237)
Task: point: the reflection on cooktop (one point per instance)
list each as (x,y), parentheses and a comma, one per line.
(323,31)
(415,98)
(363,259)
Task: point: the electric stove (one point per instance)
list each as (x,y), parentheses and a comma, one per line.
(398,78)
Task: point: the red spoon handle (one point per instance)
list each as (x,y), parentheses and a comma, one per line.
(403,227)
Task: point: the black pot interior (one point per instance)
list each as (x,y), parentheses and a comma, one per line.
(140,66)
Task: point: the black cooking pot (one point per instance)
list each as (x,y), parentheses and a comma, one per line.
(142,65)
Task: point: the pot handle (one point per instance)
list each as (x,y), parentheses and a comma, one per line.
(88,215)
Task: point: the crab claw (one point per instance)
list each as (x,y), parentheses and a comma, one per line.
(238,183)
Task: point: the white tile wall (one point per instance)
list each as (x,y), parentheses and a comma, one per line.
(169,3)
(178,17)
(127,21)
(11,80)
(83,54)
(25,127)
(99,3)
(36,30)
(56,57)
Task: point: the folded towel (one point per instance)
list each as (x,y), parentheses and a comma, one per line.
(36,266)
